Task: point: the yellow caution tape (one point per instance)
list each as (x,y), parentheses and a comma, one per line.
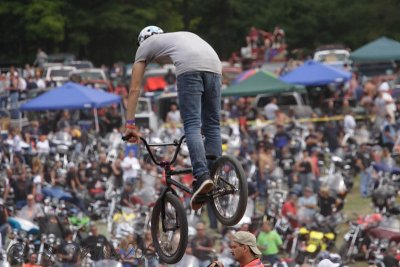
(269,122)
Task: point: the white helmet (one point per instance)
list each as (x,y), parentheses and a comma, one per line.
(147,32)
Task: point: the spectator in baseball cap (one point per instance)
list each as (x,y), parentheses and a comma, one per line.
(244,250)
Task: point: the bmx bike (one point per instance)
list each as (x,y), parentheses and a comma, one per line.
(228,199)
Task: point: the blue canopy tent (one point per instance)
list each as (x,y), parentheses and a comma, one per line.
(72,96)
(313,73)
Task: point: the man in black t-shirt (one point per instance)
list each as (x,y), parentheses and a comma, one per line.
(22,187)
(390,259)
(74,185)
(104,166)
(326,203)
(202,245)
(126,196)
(69,251)
(287,164)
(71,179)
(331,135)
(92,174)
(97,245)
(312,140)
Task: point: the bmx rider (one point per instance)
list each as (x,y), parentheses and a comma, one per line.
(198,71)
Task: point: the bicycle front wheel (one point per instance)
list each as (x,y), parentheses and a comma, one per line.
(170,234)
(229,198)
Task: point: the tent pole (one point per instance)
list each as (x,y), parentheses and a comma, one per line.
(19,119)
(96,120)
(121,106)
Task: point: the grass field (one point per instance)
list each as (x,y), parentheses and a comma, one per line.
(354,204)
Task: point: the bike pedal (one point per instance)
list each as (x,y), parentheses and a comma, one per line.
(202,199)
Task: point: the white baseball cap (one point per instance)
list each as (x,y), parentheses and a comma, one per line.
(384,87)
(327,263)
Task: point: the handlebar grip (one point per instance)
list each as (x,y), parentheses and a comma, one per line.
(126,137)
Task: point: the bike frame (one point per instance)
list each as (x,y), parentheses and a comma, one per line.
(166,165)
(169,172)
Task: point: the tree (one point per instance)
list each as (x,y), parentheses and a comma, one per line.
(105,31)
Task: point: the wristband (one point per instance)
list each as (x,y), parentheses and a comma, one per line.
(130,126)
(130,122)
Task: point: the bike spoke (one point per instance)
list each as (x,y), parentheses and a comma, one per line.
(168,231)
(226,193)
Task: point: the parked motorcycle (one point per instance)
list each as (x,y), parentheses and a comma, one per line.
(379,229)
(276,198)
(310,240)
(23,240)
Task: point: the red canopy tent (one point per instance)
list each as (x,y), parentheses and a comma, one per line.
(155,84)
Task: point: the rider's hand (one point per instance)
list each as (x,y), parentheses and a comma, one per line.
(216,264)
(131,132)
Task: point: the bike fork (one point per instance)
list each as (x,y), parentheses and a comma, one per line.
(164,228)
(353,241)
(41,249)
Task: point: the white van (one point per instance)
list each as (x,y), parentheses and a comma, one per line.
(58,74)
(333,57)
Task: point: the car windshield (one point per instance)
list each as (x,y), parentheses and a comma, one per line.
(82,65)
(332,57)
(376,69)
(142,107)
(91,75)
(59,73)
(287,100)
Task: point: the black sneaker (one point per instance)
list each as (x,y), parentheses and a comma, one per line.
(202,186)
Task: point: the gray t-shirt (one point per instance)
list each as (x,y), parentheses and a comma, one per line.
(304,212)
(186,50)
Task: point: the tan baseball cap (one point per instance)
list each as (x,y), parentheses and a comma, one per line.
(247,238)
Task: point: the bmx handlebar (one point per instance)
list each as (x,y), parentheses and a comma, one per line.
(176,143)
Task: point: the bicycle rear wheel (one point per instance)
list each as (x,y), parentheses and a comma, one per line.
(170,236)
(229,198)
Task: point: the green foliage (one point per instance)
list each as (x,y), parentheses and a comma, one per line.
(105,31)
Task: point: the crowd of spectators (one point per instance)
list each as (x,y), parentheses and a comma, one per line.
(262,47)
(267,145)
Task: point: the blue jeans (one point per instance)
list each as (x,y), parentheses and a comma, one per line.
(204,263)
(152,261)
(14,105)
(270,258)
(199,96)
(365,183)
(212,217)
(3,231)
(305,180)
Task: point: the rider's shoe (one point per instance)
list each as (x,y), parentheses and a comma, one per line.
(202,186)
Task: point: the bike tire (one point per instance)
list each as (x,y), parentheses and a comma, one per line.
(16,254)
(343,252)
(180,221)
(239,197)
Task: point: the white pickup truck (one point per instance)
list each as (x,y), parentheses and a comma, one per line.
(296,101)
(145,116)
